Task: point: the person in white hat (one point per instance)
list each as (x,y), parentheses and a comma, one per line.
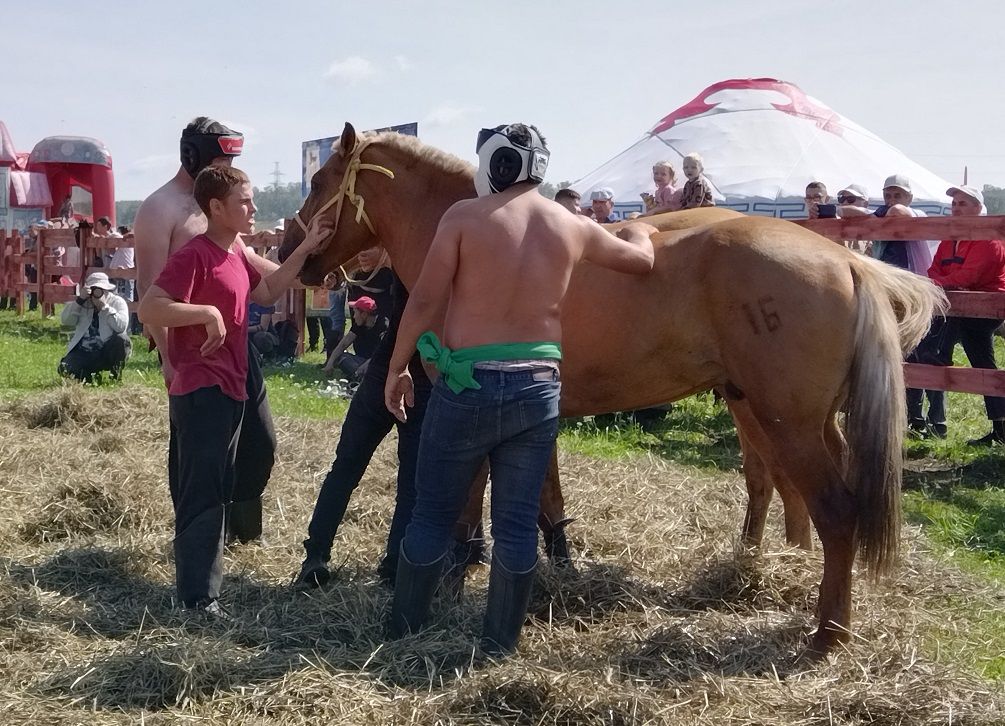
(972,265)
(100,342)
(853,201)
(916,256)
(602,202)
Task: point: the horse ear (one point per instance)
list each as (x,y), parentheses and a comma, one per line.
(348,139)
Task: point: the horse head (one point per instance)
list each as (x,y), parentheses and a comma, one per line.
(334,198)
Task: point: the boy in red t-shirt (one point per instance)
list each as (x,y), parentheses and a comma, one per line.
(202,297)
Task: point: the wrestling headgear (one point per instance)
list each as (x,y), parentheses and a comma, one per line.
(502,162)
(204,140)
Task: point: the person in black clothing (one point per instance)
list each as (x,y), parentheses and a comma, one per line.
(366,424)
(367,329)
(375,280)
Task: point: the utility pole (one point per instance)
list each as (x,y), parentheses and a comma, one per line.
(276,175)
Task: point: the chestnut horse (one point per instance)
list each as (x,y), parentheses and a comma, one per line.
(791,328)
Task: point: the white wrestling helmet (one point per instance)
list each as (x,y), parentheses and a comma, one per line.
(503,163)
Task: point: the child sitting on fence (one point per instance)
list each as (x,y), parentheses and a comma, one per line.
(667,197)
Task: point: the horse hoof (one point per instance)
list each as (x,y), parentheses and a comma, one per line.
(556,546)
(821,644)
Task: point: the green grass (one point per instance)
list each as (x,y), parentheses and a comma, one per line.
(955,492)
(32,347)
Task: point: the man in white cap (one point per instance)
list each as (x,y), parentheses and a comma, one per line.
(99,343)
(602,201)
(855,197)
(913,255)
(916,256)
(972,265)
(853,201)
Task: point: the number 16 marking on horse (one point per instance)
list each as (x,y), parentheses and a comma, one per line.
(767,314)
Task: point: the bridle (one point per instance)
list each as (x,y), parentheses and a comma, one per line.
(347,191)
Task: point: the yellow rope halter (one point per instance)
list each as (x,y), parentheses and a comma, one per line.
(347,191)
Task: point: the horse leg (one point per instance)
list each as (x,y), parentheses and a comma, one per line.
(761,470)
(833,509)
(759,489)
(552,520)
(797,517)
(469,539)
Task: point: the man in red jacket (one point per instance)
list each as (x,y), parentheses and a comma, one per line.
(972,265)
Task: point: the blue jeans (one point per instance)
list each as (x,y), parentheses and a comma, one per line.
(512,420)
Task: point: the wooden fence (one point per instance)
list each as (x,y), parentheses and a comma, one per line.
(962,303)
(13,281)
(14,255)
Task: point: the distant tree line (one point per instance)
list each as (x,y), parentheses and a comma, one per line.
(994,199)
(274,202)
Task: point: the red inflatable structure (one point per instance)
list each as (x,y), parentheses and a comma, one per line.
(44,178)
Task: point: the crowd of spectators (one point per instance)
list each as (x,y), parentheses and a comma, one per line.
(99,343)
(975,265)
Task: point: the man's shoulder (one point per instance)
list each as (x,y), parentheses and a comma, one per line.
(463,207)
(168,202)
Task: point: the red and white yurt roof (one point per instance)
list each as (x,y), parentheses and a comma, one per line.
(762,141)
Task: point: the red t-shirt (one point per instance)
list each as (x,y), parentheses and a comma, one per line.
(970,265)
(201,273)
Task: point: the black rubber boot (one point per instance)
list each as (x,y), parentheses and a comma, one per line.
(506,609)
(244,520)
(414,588)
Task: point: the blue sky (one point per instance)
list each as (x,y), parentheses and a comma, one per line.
(925,76)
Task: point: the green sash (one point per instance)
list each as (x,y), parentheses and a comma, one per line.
(457,366)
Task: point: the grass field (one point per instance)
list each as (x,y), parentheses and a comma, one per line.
(663,623)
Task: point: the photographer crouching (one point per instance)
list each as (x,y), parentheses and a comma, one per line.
(100,341)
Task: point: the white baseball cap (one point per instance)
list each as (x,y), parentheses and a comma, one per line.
(969,191)
(855,190)
(900,181)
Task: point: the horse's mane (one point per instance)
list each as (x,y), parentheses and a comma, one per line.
(441,160)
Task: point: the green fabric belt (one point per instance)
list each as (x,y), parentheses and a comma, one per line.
(457,366)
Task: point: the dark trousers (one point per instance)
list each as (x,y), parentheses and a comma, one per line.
(319,329)
(929,353)
(366,424)
(202,448)
(256,454)
(84,364)
(349,364)
(977,337)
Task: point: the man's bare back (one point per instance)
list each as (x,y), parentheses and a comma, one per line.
(515,254)
(500,266)
(165,222)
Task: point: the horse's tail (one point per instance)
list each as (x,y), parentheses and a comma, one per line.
(915,300)
(895,310)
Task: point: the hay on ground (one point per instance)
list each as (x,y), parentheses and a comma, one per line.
(665,620)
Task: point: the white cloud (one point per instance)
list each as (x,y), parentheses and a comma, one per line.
(403,63)
(449,113)
(351,71)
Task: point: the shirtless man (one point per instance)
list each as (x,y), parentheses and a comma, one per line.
(165,222)
(499,265)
